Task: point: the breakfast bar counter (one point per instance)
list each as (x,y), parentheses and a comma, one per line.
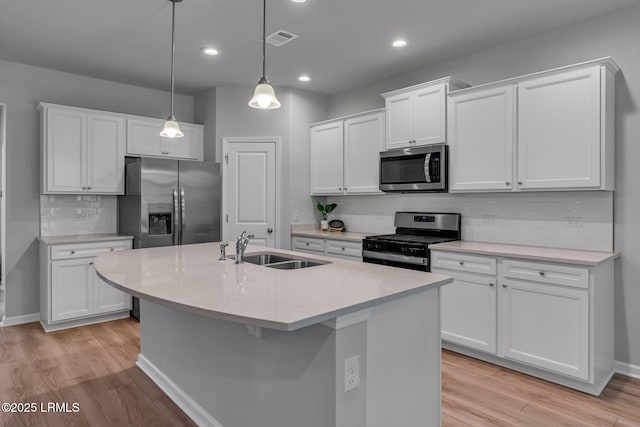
(341,343)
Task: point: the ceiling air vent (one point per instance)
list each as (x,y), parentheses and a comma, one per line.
(280,37)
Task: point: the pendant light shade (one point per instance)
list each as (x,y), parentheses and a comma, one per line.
(264,97)
(171,127)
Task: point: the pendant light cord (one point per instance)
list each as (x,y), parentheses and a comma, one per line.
(173,49)
(264,37)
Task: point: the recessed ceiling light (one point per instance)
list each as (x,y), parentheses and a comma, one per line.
(304,77)
(209,51)
(298,1)
(399,43)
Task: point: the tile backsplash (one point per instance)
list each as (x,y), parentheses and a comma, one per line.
(62,215)
(576,220)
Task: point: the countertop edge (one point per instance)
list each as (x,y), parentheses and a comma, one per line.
(333,235)
(280,326)
(505,254)
(63,240)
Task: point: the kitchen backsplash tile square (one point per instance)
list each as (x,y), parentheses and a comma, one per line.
(62,215)
(575,220)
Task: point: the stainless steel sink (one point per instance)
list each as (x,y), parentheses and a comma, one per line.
(294,264)
(279,261)
(265,258)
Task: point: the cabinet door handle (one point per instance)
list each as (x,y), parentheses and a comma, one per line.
(307,243)
(112,249)
(507,183)
(88,188)
(519,182)
(165,153)
(461,263)
(91,263)
(73,252)
(339,188)
(343,249)
(504,286)
(492,284)
(542,273)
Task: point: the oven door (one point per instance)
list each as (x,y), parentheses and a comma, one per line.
(418,169)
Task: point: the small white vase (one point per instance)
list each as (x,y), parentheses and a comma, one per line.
(324,225)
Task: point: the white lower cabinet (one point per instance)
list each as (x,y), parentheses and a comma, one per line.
(546,326)
(344,249)
(550,320)
(468,307)
(71,293)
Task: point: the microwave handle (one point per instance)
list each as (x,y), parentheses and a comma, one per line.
(427,167)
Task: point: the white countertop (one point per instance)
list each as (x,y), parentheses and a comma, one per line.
(83,238)
(537,253)
(313,230)
(191,278)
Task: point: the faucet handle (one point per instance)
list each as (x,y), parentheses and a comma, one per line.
(223,246)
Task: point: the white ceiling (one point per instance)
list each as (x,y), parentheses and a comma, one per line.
(342,43)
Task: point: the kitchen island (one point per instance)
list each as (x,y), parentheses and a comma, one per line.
(250,345)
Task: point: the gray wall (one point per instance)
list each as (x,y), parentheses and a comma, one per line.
(225,109)
(21,88)
(615,35)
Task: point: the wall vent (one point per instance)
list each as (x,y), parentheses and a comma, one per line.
(280,37)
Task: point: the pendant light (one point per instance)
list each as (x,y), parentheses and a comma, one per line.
(264,96)
(171,127)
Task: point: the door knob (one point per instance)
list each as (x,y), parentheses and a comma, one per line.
(269,230)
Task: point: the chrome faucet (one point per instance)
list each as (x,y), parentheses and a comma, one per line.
(241,245)
(223,247)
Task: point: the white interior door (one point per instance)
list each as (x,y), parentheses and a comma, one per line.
(249,189)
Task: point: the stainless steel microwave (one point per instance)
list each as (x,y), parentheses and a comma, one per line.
(414,169)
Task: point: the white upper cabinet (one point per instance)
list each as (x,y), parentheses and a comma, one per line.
(558,135)
(417,115)
(345,154)
(559,130)
(326,158)
(143,139)
(82,151)
(481,136)
(363,142)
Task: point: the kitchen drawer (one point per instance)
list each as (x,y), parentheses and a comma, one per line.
(344,248)
(84,250)
(577,277)
(307,244)
(462,262)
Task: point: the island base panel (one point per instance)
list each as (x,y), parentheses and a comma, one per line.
(221,375)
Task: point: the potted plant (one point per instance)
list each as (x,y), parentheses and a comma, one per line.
(325,210)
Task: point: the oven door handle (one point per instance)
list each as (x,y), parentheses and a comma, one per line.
(427,167)
(386,256)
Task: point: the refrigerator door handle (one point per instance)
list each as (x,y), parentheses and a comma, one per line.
(182,213)
(176,224)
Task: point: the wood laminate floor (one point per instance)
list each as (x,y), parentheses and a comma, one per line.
(95,367)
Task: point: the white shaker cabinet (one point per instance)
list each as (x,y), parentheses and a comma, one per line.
(552,130)
(345,154)
(334,248)
(327,160)
(550,320)
(481,139)
(143,139)
(417,115)
(82,151)
(559,125)
(71,293)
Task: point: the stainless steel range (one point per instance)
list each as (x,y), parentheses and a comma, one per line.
(409,246)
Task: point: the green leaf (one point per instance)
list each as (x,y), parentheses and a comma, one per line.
(320,208)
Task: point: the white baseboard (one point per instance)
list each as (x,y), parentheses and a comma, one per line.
(190,407)
(627,369)
(19,320)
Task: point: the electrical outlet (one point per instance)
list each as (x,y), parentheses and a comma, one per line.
(573,221)
(351,373)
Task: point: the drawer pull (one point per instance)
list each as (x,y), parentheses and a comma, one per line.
(73,252)
(504,286)
(343,249)
(91,263)
(112,249)
(461,262)
(542,273)
(492,284)
(307,243)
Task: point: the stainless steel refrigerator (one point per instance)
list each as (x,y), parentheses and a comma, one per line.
(169,202)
